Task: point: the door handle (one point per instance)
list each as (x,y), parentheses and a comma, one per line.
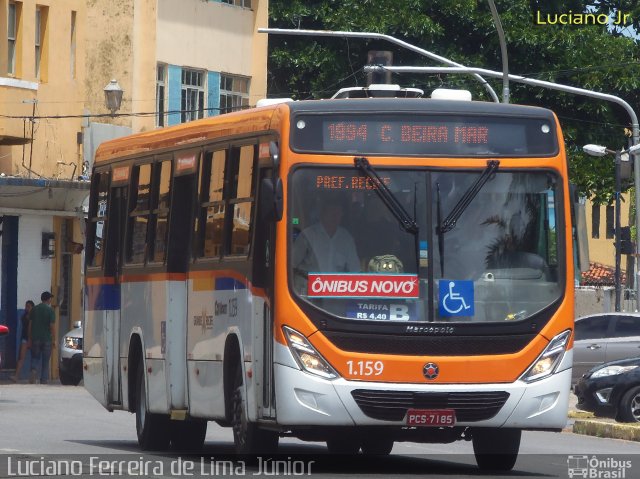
(596,346)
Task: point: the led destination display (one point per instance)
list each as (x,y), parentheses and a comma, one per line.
(418,134)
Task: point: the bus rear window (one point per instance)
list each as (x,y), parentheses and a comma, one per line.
(424,135)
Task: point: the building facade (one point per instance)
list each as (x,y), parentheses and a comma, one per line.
(176,60)
(600,221)
(41,182)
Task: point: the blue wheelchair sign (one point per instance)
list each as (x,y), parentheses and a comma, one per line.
(455,298)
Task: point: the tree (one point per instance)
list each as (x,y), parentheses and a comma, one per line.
(588,56)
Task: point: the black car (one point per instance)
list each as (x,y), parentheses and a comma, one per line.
(612,390)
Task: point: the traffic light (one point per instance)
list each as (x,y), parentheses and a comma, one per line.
(626,245)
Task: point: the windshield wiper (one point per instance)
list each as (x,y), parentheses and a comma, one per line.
(386,195)
(452,218)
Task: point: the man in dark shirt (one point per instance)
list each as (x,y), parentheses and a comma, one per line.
(41,337)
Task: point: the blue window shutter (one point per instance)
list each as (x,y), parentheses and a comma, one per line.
(213,93)
(175,94)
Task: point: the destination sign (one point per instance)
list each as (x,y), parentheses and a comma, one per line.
(417,134)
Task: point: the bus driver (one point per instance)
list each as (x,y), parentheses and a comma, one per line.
(326,246)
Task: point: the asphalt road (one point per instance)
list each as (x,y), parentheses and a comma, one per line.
(57,426)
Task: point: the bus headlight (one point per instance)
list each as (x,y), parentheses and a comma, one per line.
(546,364)
(306,355)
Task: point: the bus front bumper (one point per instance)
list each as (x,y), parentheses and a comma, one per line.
(307,400)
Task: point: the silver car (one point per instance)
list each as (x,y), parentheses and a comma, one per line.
(70,366)
(604,337)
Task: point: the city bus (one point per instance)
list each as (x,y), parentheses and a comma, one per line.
(357,271)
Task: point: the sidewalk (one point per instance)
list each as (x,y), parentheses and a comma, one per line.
(586,423)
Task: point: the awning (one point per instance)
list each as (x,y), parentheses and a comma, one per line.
(39,196)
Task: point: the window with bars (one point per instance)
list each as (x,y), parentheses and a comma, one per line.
(238,3)
(611,227)
(192,104)
(38,40)
(161,75)
(234,93)
(72,45)
(595,221)
(12,29)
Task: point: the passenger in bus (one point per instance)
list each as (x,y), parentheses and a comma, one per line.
(326,246)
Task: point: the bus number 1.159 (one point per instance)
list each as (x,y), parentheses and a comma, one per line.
(365,368)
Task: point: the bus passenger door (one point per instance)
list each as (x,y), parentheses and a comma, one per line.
(263,279)
(115,234)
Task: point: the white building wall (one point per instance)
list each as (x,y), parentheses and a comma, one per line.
(34,272)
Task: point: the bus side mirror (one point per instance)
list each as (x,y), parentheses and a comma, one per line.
(271,201)
(274,153)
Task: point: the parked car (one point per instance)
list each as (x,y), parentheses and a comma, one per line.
(3,332)
(70,365)
(605,337)
(612,390)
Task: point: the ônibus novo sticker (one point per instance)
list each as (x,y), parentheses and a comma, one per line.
(362,285)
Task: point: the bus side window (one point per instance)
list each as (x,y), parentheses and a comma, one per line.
(183,207)
(117,218)
(97,219)
(211,208)
(241,181)
(160,210)
(136,245)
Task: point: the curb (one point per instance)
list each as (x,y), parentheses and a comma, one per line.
(574,414)
(612,430)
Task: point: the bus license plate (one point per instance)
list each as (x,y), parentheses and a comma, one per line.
(431,417)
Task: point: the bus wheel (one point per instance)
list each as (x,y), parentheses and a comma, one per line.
(377,446)
(496,449)
(343,443)
(188,436)
(248,438)
(152,429)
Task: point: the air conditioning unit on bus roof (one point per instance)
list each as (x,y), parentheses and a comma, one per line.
(450,94)
(272,101)
(378,91)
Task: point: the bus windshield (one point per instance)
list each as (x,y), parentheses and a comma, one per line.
(351,257)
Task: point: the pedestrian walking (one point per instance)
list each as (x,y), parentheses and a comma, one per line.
(24,339)
(41,338)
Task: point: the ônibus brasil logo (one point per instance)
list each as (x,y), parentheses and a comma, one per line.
(597,468)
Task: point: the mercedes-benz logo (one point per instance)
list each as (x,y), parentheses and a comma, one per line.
(430,370)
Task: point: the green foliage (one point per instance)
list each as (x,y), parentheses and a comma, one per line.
(587,56)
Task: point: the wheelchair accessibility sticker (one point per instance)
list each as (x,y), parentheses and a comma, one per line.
(455,298)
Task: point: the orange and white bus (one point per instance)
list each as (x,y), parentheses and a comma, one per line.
(355,271)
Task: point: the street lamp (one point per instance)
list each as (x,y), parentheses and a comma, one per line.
(599,151)
(113,96)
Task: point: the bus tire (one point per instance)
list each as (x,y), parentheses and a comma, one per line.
(496,449)
(377,446)
(248,437)
(188,436)
(152,429)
